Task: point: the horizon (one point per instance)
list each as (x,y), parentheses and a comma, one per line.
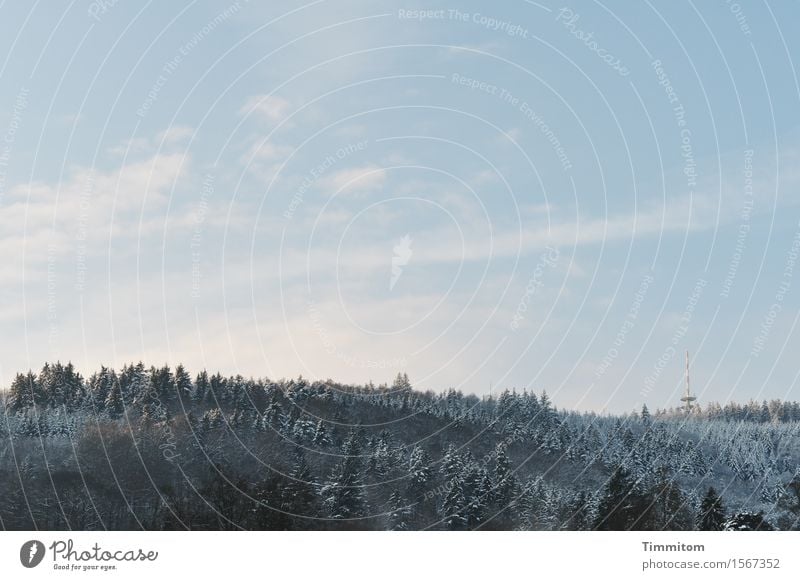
(493,394)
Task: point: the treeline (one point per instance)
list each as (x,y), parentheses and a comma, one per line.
(155,448)
(774,411)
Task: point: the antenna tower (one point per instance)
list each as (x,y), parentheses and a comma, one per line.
(687,398)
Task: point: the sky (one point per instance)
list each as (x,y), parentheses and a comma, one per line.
(515,195)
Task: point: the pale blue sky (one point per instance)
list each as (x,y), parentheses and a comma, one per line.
(229,185)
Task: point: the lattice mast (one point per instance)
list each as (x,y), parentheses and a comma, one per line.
(687,398)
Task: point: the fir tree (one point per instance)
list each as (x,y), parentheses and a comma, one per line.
(579,512)
(747,521)
(343,493)
(669,509)
(622,504)
(321,437)
(454,505)
(789,502)
(299,496)
(712,512)
(399,513)
(419,477)
(401,382)
(114,404)
(506,490)
(183,383)
(201,386)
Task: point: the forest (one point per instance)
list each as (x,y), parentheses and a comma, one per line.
(158,449)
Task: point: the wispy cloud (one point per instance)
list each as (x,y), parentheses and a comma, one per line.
(41,219)
(266,107)
(354,180)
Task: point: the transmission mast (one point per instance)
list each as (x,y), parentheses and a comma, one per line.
(687,398)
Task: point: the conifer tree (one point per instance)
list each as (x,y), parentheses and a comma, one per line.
(114,404)
(668,509)
(183,383)
(25,392)
(506,489)
(299,497)
(454,505)
(401,382)
(399,513)
(343,494)
(712,512)
(621,505)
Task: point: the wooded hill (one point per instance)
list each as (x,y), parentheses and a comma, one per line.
(159,449)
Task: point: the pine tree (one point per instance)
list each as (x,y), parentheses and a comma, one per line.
(579,512)
(399,512)
(506,489)
(712,512)
(747,521)
(789,502)
(381,461)
(622,504)
(201,386)
(669,508)
(299,497)
(114,404)
(401,382)
(321,437)
(531,505)
(51,384)
(161,385)
(419,477)
(25,392)
(454,505)
(100,385)
(343,494)
(452,465)
(477,492)
(419,472)
(132,383)
(183,383)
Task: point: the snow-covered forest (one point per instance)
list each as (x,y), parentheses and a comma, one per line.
(158,449)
